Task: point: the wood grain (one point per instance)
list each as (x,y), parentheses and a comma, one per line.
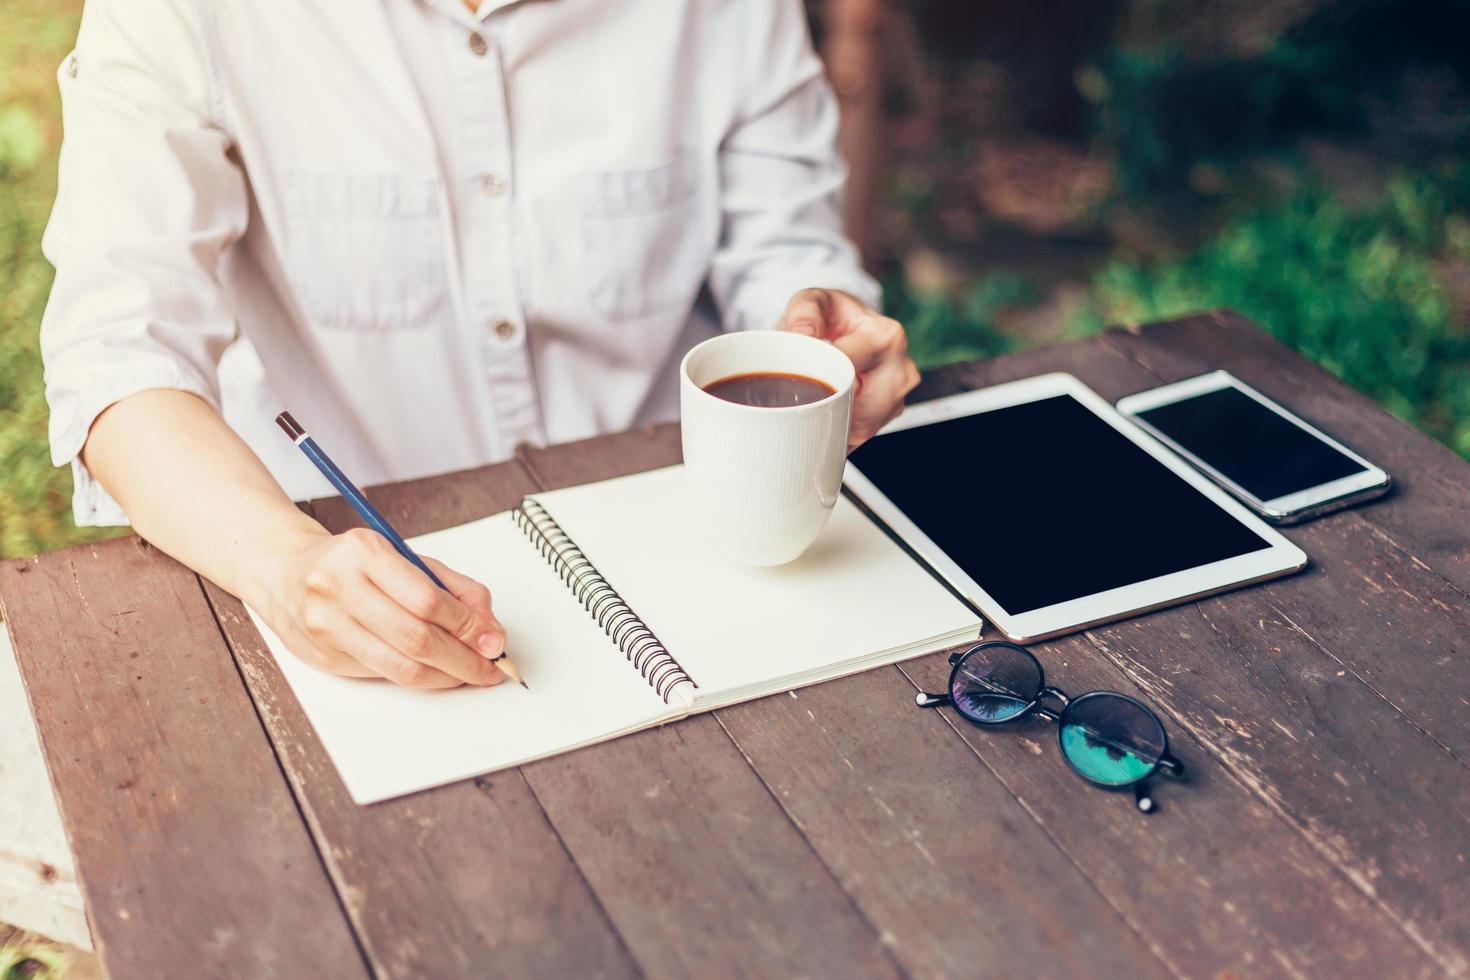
(1215,878)
(1325,828)
(1403,620)
(1207,665)
(465,880)
(190,851)
(697,865)
(767,905)
(1309,917)
(886,798)
(700,868)
(1367,653)
(1429,514)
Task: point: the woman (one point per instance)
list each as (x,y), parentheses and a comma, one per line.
(436,234)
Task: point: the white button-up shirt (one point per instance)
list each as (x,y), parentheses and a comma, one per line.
(433,235)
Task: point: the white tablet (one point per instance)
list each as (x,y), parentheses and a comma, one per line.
(1050,512)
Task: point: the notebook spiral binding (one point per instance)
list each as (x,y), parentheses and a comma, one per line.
(632,636)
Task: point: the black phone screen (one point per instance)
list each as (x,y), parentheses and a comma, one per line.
(1250,444)
(1045,502)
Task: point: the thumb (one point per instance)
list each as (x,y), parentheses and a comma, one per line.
(805,314)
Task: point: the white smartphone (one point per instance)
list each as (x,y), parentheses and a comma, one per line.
(1282,468)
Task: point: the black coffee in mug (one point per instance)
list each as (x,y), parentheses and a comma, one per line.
(770,389)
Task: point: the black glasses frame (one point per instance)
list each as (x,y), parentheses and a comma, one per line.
(1166,763)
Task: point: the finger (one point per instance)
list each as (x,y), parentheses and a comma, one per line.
(807,313)
(863,430)
(846,313)
(418,639)
(385,662)
(346,647)
(885,387)
(490,634)
(872,344)
(411,589)
(312,641)
(880,400)
(873,340)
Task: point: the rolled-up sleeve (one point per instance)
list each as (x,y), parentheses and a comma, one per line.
(148,202)
(782,179)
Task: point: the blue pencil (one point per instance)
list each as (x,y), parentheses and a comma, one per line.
(369,513)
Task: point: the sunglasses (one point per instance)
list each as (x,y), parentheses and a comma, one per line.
(1109,739)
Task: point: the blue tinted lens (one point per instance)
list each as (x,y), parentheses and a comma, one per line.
(995,683)
(1110,739)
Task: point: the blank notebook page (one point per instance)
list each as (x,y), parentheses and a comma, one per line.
(854,599)
(387,740)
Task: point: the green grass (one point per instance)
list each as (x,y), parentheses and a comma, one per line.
(1361,291)
(946,328)
(35,498)
(28,958)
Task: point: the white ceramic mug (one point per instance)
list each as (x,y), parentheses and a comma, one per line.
(764,480)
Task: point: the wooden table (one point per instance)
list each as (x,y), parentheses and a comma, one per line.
(1325,721)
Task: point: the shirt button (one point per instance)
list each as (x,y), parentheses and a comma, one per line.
(478,45)
(492,185)
(505,330)
(71,66)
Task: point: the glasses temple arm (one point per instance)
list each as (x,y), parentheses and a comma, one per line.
(924,700)
(1142,797)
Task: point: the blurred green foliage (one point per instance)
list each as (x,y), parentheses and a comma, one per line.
(1160,114)
(1357,290)
(1391,69)
(1361,289)
(944,328)
(35,498)
(25,957)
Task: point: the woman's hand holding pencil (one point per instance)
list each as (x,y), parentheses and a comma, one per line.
(351,604)
(363,603)
(360,603)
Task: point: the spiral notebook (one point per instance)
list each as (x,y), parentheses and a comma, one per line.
(621,620)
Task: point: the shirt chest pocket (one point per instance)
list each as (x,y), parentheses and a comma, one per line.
(645,247)
(365,252)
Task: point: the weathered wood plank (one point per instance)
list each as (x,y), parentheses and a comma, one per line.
(1429,512)
(1399,829)
(1374,794)
(1394,619)
(829,800)
(927,837)
(38,877)
(1391,622)
(916,831)
(1215,878)
(192,856)
(699,867)
(696,864)
(465,880)
(1412,621)
(1308,915)
(1401,627)
(1323,830)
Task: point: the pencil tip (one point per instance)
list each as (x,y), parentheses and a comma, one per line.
(525,685)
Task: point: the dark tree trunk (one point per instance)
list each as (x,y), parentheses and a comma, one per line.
(852,48)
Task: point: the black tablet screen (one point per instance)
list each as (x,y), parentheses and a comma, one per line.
(1045,502)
